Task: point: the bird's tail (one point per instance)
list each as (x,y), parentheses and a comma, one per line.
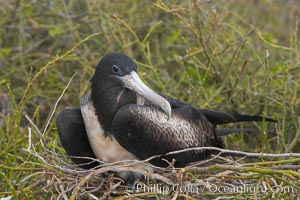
(227,131)
(248,118)
(217,117)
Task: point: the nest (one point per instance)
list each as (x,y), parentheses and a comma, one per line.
(238,176)
(246,175)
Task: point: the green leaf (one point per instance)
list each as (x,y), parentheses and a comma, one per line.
(5,51)
(56,30)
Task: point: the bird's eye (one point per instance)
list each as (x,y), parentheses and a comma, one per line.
(116,69)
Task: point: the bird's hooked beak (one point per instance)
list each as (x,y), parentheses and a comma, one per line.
(133,82)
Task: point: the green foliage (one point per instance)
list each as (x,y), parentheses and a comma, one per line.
(226,55)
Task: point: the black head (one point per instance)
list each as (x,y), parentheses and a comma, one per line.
(116,83)
(112,66)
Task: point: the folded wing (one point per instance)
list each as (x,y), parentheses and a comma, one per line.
(73,137)
(145,132)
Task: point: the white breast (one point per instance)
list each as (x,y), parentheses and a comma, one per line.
(104,148)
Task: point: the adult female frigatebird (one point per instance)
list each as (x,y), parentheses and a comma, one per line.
(121,118)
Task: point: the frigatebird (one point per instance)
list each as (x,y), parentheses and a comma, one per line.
(121,118)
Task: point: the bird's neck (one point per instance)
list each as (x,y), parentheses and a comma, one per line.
(108,101)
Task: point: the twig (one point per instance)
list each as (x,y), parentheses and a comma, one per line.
(31,175)
(80,184)
(63,194)
(95,189)
(36,129)
(56,103)
(107,193)
(289,173)
(28,188)
(221,174)
(287,167)
(228,152)
(29,138)
(133,169)
(222,152)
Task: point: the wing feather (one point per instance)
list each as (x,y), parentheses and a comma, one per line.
(145,132)
(73,137)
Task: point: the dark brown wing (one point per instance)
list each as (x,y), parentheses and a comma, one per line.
(73,137)
(145,132)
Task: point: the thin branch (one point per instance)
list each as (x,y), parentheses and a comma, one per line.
(134,169)
(56,103)
(36,129)
(228,152)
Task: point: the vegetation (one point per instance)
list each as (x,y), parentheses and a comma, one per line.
(224,55)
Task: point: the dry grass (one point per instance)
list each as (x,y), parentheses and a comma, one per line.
(277,176)
(219,177)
